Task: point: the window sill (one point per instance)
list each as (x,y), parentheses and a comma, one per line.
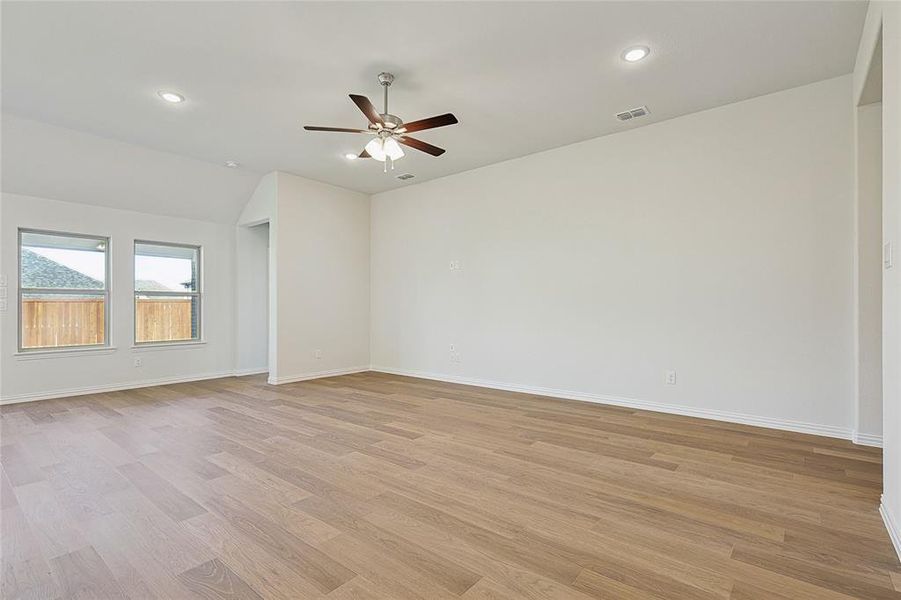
(62,352)
(152,347)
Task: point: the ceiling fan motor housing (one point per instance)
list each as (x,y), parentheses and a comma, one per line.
(390,121)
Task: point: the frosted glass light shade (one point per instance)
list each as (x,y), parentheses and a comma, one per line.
(376,149)
(393,149)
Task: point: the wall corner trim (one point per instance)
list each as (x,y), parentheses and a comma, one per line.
(246,372)
(892,526)
(317,375)
(687,411)
(866,439)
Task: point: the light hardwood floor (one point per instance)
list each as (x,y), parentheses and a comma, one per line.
(375,486)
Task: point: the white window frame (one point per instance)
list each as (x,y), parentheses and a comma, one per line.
(107,333)
(197,294)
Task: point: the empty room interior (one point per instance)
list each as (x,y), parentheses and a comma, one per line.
(435,300)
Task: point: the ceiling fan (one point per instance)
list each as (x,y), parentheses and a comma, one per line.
(389,131)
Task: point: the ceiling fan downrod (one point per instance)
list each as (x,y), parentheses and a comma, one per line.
(386,79)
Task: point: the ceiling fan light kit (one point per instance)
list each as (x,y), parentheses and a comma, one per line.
(389,130)
(384,148)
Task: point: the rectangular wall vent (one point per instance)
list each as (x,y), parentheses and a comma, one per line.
(406,176)
(633,113)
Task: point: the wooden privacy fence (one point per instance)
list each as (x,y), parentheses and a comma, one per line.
(77,321)
(162,319)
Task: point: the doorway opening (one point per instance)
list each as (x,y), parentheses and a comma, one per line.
(252,326)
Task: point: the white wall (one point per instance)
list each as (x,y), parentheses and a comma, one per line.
(717,244)
(28,376)
(322,304)
(868,423)
(318,276)
(262,205)
(886,17)
(252,299)
(891,303)
(57,178)
(322,257)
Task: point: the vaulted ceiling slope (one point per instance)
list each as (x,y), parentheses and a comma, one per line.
(521,77)
(62,164)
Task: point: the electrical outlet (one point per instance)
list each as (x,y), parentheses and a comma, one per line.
(317,353)
(455,357)
(670,378)
(139,362)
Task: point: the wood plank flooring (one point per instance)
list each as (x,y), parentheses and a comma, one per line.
(373,486)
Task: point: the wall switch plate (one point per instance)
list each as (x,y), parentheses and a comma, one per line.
(139,362)
(670,378)
(455,265)
(888,255)
(452,347)
(317,353)
(2,304)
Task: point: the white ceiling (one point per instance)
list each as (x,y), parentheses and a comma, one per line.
(520,76)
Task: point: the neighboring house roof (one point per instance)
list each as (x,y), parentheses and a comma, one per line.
(150,285)
(41,272)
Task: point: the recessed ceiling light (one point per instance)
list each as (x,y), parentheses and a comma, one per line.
(635,53)
(171,96)
(351,156)
(232,164)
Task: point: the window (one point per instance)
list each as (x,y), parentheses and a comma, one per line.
(63,290)
(167,293)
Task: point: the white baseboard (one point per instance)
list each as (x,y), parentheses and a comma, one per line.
(317,375)
(716,415)
(894,531)
(245,372)
(99,389)
(866,439)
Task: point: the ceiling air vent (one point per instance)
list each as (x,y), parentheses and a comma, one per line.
(633,113)
(406,176)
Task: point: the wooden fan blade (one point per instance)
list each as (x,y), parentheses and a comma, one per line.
(338,129)
(368,109)
(421,146)
(430,123)
(364,154)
